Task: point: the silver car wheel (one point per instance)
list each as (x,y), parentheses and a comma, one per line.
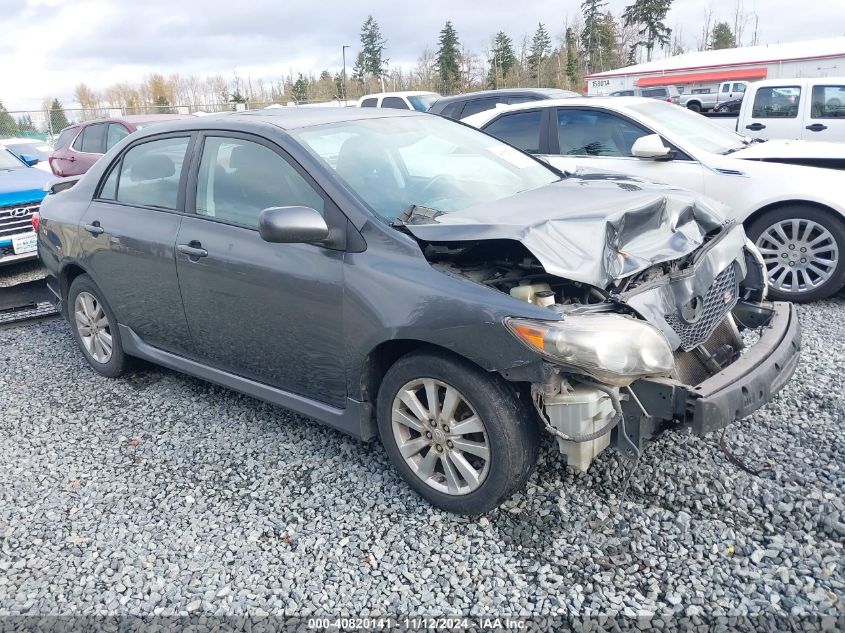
(93,327)
(800,255)
(440,436)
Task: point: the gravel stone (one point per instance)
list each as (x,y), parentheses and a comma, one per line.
(288,516)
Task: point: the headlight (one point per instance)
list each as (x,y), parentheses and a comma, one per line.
(612,348)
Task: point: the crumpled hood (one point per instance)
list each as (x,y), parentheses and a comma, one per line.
(592,229)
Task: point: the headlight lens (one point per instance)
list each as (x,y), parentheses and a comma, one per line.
(613,348)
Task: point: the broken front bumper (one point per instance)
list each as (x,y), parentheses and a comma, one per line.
(737,391)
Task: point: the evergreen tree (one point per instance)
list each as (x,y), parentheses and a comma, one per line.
(722,36)
(372,48)
(647,17)
(501,61)
(162,105)
(8,125)
(25,124)
(592,35)
(300,89)
(358,68)
(58,119)
(541,48)
(571,58)
(448,60)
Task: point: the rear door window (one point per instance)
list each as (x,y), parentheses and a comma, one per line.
(116,133)
(94,138)
(520,129)
(64,137)
(150,172)
(396,103)
(776,102)
(828,102)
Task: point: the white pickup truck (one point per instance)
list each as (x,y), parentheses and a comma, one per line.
(706,101)
(808,109)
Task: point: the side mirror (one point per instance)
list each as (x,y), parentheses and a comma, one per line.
(650,146)
(32,161)
(292,225)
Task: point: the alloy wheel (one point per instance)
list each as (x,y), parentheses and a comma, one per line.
(800,255)
(440,436)
(93,327)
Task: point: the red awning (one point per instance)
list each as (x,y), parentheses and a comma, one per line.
(712,76)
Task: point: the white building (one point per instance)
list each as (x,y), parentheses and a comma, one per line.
(706,69)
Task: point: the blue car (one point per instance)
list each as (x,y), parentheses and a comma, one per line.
(21,190)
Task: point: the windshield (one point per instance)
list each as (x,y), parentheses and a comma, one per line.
(39,150)
(8,160)
(393,163)
(690,126)
(422,103)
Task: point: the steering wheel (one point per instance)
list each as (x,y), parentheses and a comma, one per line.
(432,186)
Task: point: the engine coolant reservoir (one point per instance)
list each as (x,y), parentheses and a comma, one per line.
(581,411)
(529,292)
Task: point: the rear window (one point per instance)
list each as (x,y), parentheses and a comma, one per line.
(776,102)
(656,93)
(474,106)
(65,136)
(369,103)
(396,103)
(453,110)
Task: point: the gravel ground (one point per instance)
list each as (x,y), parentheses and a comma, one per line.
(161,494)
(20,272)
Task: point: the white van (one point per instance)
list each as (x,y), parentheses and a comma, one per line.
(406,100)
(810,109)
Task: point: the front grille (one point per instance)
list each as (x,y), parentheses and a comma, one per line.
(690,369)
(718,302)
(17,218)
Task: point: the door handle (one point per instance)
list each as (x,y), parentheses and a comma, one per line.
(816,127)
(755,126)
(192,249)
(94,228)
(71,159)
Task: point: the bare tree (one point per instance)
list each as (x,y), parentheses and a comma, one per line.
(703,42)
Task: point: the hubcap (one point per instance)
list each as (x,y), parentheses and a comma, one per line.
(93,327)
(440,436)
(800,255)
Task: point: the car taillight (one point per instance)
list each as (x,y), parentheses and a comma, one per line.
(36,221)
(53,167)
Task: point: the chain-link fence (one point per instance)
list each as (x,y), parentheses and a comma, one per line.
(45,125)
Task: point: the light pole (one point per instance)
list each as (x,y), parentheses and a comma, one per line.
(343,52)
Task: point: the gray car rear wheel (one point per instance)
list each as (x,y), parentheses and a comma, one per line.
(95,328)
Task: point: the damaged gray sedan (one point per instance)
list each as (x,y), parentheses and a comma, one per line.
(401,276)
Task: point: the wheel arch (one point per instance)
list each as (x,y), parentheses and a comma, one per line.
(68,273)
(772,206)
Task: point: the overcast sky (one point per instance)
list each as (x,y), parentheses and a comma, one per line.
(48,46)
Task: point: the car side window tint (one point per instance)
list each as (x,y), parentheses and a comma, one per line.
(93,141)
(453,110)
(739,88)
(64,138)
(776,102)
(150,172)
(116,133)
(521,129)
(657,93)
(828,102)
(397,103)
(238,179)
(726,88)
(369,103)
(474,106)
(596,133)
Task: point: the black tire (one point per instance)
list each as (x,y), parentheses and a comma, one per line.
(118,363)
(833,223)
(510,426)
(694,107)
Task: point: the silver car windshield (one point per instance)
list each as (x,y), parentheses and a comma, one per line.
(393,163)
(690,126)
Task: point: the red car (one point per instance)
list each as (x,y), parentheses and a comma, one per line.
(79,146)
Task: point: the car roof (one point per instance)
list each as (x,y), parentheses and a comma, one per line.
(404,93)
(507,92)
(285,118)
(134,119)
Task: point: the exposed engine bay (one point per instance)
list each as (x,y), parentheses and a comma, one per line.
(699,302)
